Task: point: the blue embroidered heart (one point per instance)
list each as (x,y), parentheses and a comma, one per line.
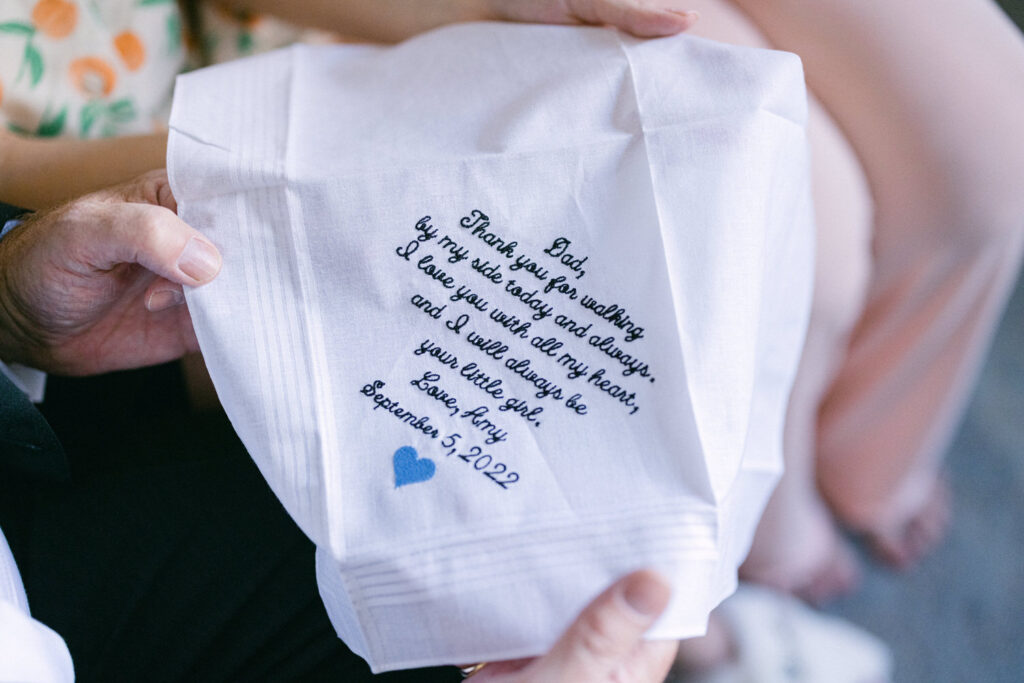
(410,468)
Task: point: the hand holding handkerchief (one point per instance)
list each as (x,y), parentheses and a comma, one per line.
(505,313)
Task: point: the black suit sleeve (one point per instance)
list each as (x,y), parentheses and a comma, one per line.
(7,212)
(27,443)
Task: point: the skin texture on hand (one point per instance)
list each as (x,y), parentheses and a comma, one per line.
(95,285)
(605,643)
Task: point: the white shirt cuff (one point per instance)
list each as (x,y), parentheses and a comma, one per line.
(31,381)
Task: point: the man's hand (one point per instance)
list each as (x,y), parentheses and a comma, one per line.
(95,285)
(605,643)
(642,18)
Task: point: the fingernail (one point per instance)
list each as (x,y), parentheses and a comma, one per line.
(646,593)
(199,260)
(691,15)
(164,298)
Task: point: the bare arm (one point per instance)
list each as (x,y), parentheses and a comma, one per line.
(37,173)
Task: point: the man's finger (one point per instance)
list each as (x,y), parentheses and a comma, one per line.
(163,294)
(149,188)
(607,632)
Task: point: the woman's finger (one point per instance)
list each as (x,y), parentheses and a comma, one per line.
(644,20)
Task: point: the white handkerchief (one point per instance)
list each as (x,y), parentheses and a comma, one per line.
(506,312)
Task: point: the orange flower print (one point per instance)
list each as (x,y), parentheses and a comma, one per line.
(1,92)
(55,18)
(92,76)
(131,49)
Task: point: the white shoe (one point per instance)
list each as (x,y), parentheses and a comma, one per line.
(779,639)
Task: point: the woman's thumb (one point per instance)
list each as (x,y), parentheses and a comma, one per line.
(607,632)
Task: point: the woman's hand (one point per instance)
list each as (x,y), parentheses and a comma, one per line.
(394,20)
(642,18)
(605,643)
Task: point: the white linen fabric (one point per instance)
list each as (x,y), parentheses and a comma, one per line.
(506,312)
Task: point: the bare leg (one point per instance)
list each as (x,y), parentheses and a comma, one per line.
(930,95)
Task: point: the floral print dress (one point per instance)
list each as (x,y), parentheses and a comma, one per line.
(88,68)
(106,68)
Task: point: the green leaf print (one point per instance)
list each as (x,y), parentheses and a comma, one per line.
(50,128)
(150,3)
(245,42)
(35,63)
(90,112)
(18,27)
(173,34)
(122,111)
(109,114)
(30,57)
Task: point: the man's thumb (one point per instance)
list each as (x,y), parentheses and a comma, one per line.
(158,240)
